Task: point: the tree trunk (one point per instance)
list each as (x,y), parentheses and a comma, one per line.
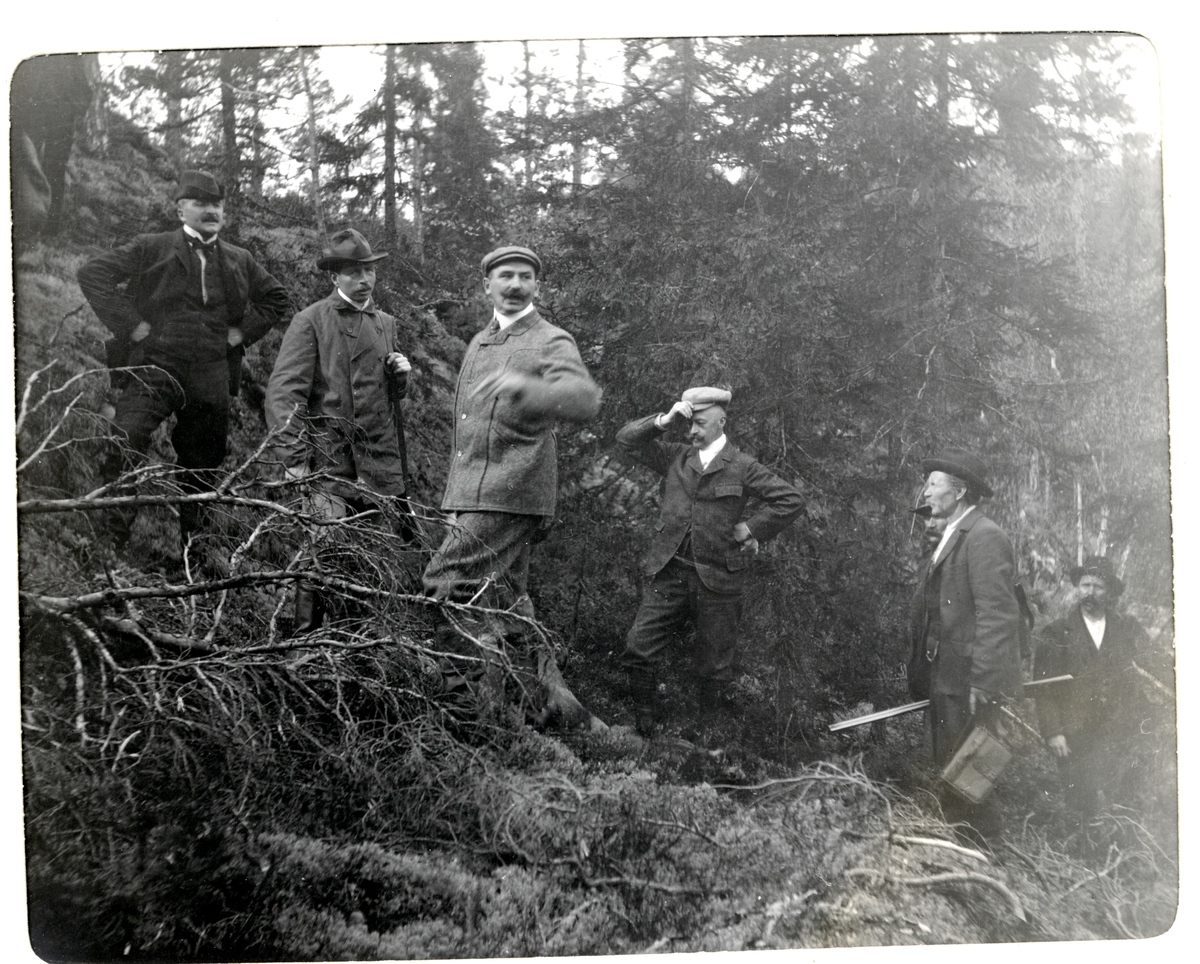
(577,137)
(528,84)
(389,147)
(173,92)
(230,165)
(418,185)
(314,166)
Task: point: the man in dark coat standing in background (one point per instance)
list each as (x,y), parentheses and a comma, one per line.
(1082,718)
(701,548)
(334,399)
(185,305)
(966,626)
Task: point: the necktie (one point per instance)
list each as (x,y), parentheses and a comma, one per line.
(200,248)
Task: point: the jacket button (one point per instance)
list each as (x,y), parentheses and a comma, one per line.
(464,415)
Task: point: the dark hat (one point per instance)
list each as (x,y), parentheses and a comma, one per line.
(959,462)
(511,252)
(704,397)
(1098,566)
(347,247)
(199,185)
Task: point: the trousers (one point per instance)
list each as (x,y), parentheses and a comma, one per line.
(675,596)
(198,395)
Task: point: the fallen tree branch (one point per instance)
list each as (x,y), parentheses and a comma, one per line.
(951,878)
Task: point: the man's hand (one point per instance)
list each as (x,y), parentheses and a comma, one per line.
(236,336)
(742,533)
(499,384)
(978,700)
(1058,746)
(140,331)
(678,410)
(396,363)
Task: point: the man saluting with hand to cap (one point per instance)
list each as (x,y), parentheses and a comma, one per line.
(698,556)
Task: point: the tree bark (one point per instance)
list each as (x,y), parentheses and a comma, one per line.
(389,147)
(230,164)
(314,165)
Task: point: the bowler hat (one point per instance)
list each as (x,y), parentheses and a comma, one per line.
(347,247)
(962,464)
(200,186)
(704,397)
(1098,566)
(511,252)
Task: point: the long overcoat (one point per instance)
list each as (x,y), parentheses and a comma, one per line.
(708,502)
(328,396)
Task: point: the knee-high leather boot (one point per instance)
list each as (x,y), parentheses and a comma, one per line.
(643,687)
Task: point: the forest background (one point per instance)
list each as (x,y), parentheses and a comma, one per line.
(943,297)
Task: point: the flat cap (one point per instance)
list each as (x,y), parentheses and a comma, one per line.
(511,252)
(705,397)
(347,247)
(200,186)
(962,464)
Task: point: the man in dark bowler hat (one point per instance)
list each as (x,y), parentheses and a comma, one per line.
(182,307)
(698,558)
(334,399)
(966,622)
(1082,718)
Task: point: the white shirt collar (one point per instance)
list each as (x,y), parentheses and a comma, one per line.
(504,320)
(1095,627)
(937,553)
(710,451)
(353,304)
(189,230)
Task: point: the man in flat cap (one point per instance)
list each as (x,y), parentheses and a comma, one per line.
(334,399)
(1082,718)
(966,628)
(185,305)
(697,560)
(520,376)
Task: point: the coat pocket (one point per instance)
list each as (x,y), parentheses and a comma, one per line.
(727,491)
(737,560)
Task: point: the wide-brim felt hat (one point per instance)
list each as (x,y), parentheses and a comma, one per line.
(348,247)
(960,463)
(510,252)
(1098,566)
(200,186)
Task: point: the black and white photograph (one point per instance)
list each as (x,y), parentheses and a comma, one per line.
(593,493)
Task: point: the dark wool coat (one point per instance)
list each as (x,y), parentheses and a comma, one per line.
(505,457)
(965,612)
(330,371)
(159,275)
(1105,684)
(708,502)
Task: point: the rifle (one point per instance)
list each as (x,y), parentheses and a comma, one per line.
(919,705)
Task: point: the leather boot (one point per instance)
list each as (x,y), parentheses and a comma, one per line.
(643,687)
(310,610)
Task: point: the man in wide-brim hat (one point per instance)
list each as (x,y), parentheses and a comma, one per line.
(966,621)
(335,398)
(1083,717)
(190,306)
